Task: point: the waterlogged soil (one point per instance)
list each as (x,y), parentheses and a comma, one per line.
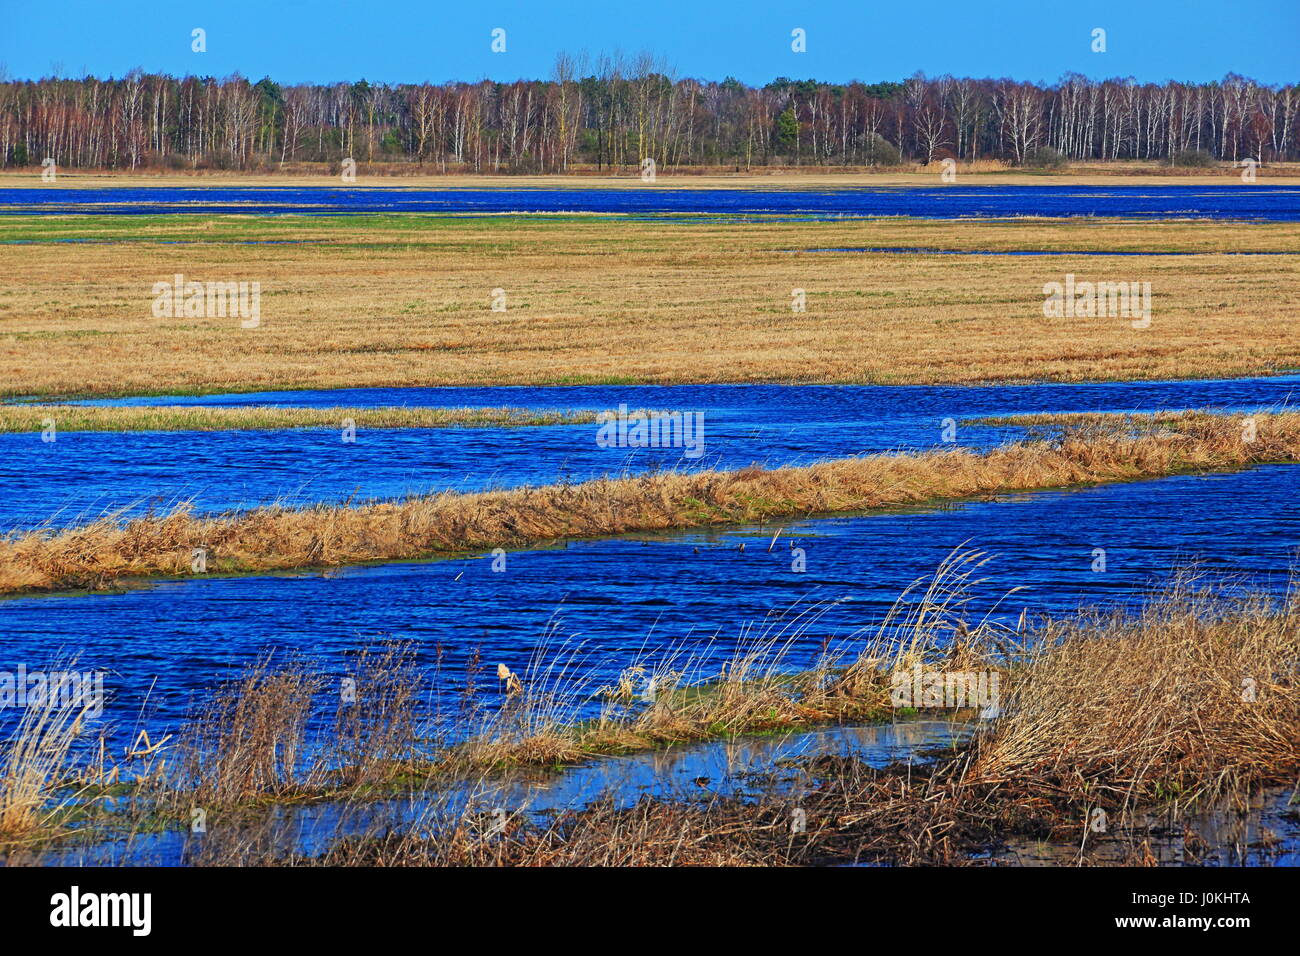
(726,768)
(1237,201)
(81,475)
(1262,830)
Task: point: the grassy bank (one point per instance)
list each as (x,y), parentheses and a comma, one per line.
(1111,728)
(1190,702)
(203,418)
(352,301)
(280,732)
(105,552)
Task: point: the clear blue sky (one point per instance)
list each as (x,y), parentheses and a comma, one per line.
(414,40)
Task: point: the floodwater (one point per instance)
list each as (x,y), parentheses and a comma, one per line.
(1266,831)
(602,605)
(82,475)
(594,607)
(580,612)
(1241,202)
(722,768)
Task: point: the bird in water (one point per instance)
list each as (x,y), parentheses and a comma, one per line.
(513,684)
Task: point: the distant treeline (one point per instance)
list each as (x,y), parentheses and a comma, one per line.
(625,110)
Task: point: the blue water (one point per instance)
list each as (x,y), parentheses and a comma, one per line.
(601,604)
(1268,835)
(728,767)
(1249,202)
(82,475)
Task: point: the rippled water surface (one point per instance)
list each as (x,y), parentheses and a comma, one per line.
(1256,202)
(604,603)
(83,474)
(601,604)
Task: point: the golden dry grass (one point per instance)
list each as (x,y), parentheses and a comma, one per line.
(135,418)
(405,301)
(106,551)
(36,761)
(1192,702)
(1183,700)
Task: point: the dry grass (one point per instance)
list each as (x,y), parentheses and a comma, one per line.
(1128,716)
(171,418)
(1144,718)
(405,300)
(1194,698)
(1192,701)
(250,739)
(282,730)
(107,551)
(35,762)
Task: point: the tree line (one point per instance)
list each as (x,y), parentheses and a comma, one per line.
(617,112)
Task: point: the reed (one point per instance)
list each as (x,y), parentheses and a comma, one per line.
(1190,706)
(36,765)
(282,731)
(250,738)
(1195,697)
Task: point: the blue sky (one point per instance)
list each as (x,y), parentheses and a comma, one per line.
(405,40)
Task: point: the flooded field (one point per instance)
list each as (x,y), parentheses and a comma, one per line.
(773,774)
(1269,203)
(730,768)
(595,608)
(737,437)
(577,616)
(84,474)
